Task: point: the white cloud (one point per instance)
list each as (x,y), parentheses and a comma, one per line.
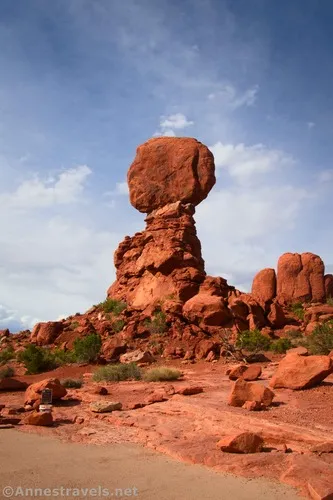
(36,193)
(242,162)
(177,121)
(230,97)
(121,189)
(168,125)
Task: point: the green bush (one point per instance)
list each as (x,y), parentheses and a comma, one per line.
(113,306)
(62,357)
(36,359)
(161,374)
(118,325)
(72,383)
(253,341)
(293,334)
(157,324)
(280,346)
(74,325)
(87,349)
(6,372)
(321,339)
(7,354)
(117,372)
(329,301)
(298,310)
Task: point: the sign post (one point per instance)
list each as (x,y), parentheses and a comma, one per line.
(46,401)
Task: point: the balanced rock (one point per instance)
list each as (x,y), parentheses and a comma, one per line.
(300,278)
(170,169)
(302,372)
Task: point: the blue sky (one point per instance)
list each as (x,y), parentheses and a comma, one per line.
(83,83)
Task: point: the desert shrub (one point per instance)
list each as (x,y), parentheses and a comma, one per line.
(293,335)
(329,301)
(280,346)
(253,341)
(161,374)
(87,349)
(157,324)
(7,371)
(74,325)
(321,339)
(62,357)
(298,310)
(118,325)
(36,359)
(7,354)
(72,383)
(117,372)
(113,306)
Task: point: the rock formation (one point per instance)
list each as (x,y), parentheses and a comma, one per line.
(300,278)
(168,177)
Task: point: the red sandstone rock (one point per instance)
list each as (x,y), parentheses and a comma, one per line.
(301,351)
(46,333)
(246,442)
(276,316)
(300,277)
(11,384)
(169,169)
(320,489)
(137,357)
(328,281)
(264,286)
(33,393)
(315,313)
(189,390)
(113,348)
(206,310)
(252,406)
(237,371)
(243,391)
(161,262)
(4,333)
(39,418)
(302,372)
(204,347)
(252,372)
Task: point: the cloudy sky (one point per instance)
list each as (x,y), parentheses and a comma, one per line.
(83,82)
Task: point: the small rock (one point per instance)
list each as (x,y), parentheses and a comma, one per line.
(6,426)
(156,398)
(252,406)
(189,390)
(39,418)
(101,391)
(252,372)
(104,406)
(236,372)
(78,420)
(137,357)
(246,442)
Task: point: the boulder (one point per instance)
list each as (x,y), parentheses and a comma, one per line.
(170,169)
(300,350)
(33,393)
(276,316)
(245,442)
(104,406)
(137,357)
(11,384)
(264,286)
(252,372)
(206,310)
(300,278)
(243,391)
(46,333)
(301,372)
(236,372)
(44,419)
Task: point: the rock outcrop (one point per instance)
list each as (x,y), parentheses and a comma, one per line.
(300,278)
(264,286)
(302,372)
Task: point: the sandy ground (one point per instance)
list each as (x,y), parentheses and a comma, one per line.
(126,470)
